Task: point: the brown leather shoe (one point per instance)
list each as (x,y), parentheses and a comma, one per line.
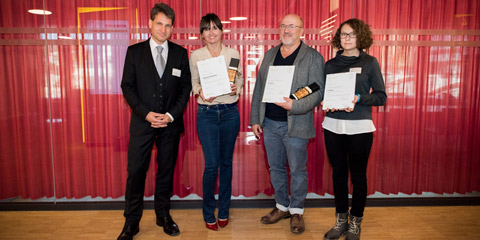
(296,223)
(274,216)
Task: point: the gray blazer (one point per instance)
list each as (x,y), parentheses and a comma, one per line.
(309,68)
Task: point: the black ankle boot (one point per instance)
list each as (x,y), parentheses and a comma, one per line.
(353,232)
(339,228)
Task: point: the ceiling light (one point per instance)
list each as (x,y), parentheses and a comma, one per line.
(192,38)
(238,18)
(225,22)
(39,12)
(226,31)
(64,37)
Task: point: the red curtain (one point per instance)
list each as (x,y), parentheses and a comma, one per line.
(429,137)
(64,123)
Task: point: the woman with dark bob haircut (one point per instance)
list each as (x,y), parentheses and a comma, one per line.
(218,123)
(349,132)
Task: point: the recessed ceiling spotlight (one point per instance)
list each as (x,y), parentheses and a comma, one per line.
(39,12)
(238,18)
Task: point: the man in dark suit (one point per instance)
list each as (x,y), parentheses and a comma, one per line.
(156,83)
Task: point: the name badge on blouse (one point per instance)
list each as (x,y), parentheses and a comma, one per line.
(176,72)
(357,70)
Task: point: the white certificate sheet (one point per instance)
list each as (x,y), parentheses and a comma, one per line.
(214,77)
(279,82)
(339,90)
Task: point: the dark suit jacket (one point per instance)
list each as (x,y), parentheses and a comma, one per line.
(142,86)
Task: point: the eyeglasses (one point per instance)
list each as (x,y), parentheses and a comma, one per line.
(291,26)
(345,35)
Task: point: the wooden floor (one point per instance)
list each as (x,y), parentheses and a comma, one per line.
(379,223)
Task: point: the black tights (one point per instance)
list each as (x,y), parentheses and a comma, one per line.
(349,152)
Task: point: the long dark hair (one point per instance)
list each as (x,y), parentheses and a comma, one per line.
(207,19)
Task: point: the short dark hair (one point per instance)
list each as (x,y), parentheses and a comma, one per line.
(162,8)
(209,18)
(362,33)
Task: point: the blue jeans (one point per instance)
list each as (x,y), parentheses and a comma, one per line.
(280,149)
(217,127)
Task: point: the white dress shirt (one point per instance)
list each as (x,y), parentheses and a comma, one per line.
(349,127)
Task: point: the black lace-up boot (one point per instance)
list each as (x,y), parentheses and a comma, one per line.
(339,228)
(353,232)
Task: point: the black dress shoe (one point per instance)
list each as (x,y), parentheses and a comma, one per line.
(129,230)
(169,226)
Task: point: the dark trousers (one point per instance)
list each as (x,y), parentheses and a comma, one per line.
(139,154)
(349,152)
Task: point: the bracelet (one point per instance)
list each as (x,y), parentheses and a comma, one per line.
(358,94)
